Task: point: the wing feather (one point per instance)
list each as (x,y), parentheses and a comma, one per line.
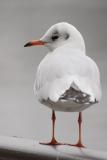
(61,70)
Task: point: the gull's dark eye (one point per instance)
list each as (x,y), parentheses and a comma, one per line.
(54,37)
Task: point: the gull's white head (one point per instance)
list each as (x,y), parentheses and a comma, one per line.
(60,34)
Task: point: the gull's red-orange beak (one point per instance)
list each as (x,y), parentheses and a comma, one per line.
(34,43)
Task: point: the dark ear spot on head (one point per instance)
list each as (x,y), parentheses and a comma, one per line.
(67,36)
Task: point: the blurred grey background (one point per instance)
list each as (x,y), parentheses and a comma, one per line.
(20,113)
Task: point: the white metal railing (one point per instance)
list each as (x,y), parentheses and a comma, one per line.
(14,148)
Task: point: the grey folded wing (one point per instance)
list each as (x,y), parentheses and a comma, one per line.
(76,96)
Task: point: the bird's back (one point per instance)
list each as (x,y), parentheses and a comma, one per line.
(64,68)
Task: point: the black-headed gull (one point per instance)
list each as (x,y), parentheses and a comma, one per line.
(66,79)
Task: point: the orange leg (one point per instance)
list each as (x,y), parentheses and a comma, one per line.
(53,140)
(79,143)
